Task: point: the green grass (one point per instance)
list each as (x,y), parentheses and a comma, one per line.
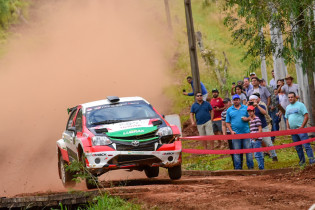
(111,202)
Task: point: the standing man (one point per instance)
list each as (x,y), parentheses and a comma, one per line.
(218,106)
(225,130)
(237,123)
(204,115)
(247,86)
(273,108)
(297,116)
(203,89)
(273,82)
(264,93)
(260,111)
(289,87)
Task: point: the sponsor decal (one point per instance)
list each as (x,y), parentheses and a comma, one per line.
(125,125)
(139,130)
(100,154)
(168,153)
(133,131)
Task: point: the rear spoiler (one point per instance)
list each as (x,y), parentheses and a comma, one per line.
(69,110)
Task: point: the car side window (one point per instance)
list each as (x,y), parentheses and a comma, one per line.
(78,121)
(70,121)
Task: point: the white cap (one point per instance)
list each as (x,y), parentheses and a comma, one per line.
(253,97)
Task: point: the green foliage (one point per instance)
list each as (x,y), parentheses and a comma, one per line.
(81,173)
(10,11)
(104,201)
(110,202)
(295,19)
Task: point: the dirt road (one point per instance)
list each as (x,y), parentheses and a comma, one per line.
(294,190)
(231,192)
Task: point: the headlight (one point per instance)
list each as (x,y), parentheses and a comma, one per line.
(165,131)
(101,140)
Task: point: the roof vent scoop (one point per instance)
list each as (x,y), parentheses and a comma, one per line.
(113,99)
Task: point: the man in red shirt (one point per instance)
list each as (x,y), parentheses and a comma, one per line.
(218,107)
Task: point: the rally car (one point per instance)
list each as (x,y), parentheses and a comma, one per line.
(118,133)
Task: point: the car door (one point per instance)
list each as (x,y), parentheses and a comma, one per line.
(69,136)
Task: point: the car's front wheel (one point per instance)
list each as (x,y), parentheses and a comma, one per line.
(65,175)
(151,172)
(175,172)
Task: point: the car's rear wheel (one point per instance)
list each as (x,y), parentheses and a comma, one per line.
(151,172)
(91,181)
(65,175)
(175,172)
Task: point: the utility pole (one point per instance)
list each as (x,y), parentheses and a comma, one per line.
(192,47)
(168,15)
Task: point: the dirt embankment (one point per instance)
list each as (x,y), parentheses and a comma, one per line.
(77,51)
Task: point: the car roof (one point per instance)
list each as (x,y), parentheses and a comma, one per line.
(106,101)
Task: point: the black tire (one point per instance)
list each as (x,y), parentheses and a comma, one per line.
(66,176)
(175,172)
(151,172)
(91,181)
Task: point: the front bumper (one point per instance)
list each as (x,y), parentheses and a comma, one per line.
(167,156)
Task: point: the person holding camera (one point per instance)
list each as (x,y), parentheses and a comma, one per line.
(204,91)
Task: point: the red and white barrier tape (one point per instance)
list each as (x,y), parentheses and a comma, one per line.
(250,135)
(239,151)
(247,136)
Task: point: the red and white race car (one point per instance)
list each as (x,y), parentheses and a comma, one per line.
(118,133)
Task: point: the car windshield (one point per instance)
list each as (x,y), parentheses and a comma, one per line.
(121,112)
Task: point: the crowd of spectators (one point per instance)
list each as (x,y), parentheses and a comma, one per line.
(254,107)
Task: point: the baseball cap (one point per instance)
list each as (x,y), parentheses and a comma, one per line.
(252,73)
(250,108)
(226,100)
(215,90)
(235,97)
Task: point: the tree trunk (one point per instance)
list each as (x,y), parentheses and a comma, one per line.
(262,57)
(280,69)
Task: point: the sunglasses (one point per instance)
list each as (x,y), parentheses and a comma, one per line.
(198,95)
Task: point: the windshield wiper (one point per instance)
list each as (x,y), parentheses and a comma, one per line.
(108,122)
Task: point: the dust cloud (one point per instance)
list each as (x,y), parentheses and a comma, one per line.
(76,52)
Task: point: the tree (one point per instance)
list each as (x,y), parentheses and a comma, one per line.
(295,19)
